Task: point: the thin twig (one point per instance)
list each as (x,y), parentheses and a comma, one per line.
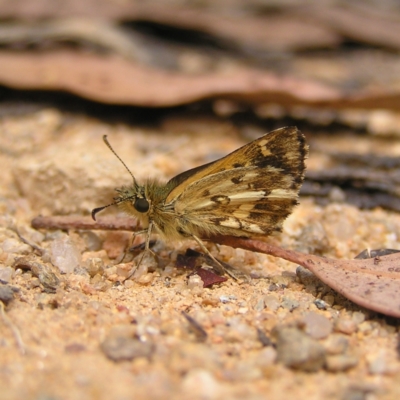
(39,249)
(79,222)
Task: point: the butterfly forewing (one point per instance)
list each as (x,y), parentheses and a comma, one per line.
(283,148)
(249,192)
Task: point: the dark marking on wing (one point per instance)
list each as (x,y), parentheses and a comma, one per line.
(237,180)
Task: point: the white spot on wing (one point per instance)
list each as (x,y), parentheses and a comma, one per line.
(264,150)
(251,227)
(231,223)
(246,196)
(282,194)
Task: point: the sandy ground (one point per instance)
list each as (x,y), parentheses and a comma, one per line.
(88,336)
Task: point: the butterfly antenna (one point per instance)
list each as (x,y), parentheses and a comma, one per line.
(98,209)
(120,159)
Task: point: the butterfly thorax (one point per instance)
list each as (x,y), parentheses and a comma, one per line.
(147,203)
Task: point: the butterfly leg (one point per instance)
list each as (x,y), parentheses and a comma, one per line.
(221,268)
(147,243)
(147,232)
(125,253)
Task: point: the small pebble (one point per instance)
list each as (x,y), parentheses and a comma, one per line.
(346,326)
(283,280)
(297,350)
(264,338)
(306,277)
(168,272)
(378,364)
(6,293)
(243,370)
(227,299)
(64,254)
(6,274)
(122,348)
(360,391)
(289,303)
(271,302)
(123,270)
(358,317)
(260,305)
(92,241)
(145,279)
(15,246)
(366,327)
(201,383)
(238,331)
(321,304)
(195,282)
(273,287)
(329,299)
(336,344)
(94,266)
(266,357)
(48,279)
(140,271)
(317,325)
(340,362)
(34,283)
(314,238)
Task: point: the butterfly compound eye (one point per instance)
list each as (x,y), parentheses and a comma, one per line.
(141,205)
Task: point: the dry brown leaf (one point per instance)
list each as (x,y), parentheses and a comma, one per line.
(371,283)
(361,22)
(113,80)
(302,26)
(250,33)
(90,76)
(209,278)
(275,31)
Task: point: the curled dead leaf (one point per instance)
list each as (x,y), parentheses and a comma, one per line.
(372,283)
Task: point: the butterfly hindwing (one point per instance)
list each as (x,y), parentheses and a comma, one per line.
(244,199)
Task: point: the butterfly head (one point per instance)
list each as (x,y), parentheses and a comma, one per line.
(132,200)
